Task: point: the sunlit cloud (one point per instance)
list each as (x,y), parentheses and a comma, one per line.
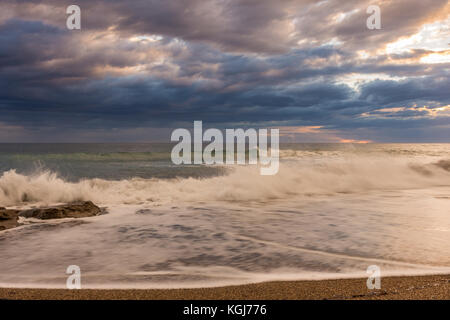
(144,38)
(316,134)
(433,36)
(355,80)
(438,57)
(354,141)
(301,129)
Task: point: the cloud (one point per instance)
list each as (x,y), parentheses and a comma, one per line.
(164,64)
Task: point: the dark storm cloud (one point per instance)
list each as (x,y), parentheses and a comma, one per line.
(400,18)
(245,25)
(394,92)
(223,62)
(24,43)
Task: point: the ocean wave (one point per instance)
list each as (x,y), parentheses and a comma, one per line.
(91,156)
(375,150)
(242,183)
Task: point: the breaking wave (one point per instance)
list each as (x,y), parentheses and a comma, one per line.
(241,183)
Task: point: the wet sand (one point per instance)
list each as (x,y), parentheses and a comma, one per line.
(411,287)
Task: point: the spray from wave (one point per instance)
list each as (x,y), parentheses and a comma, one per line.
(242,183)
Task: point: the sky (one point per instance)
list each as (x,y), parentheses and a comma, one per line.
(138,69)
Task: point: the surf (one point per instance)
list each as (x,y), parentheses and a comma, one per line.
(239,183)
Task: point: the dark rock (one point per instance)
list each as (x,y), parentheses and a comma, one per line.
(71,210)
(144,211)
(8,218)
(444,164)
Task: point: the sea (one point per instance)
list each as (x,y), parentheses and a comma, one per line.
(332,211)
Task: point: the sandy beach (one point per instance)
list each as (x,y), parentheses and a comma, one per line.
(436,287)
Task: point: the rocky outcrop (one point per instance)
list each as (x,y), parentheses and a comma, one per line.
(8,218)
(71,210)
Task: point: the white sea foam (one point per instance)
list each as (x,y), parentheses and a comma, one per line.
(242,183)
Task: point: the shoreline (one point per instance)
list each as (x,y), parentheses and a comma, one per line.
(432,287)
